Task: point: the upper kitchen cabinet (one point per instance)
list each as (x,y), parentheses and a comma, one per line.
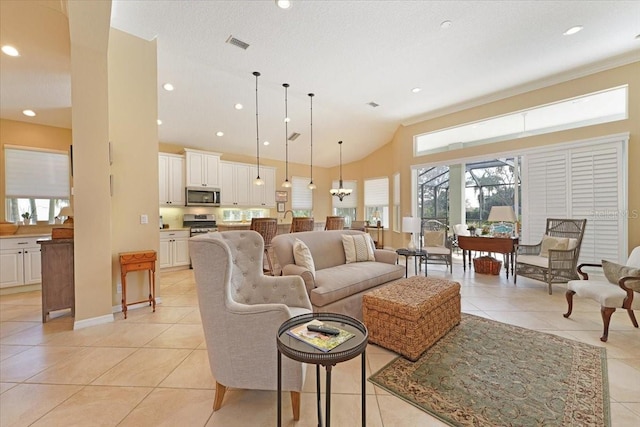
(236,184)
(264,195)
(203,169)
(171,175)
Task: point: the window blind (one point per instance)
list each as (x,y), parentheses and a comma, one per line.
(376,192)
(34,174)
(301,196)
(350,201)
(578,182)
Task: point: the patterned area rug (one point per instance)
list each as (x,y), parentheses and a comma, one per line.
(486,373)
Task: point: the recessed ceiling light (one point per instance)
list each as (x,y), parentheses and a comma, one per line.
(287,119)
(283,4)
(219,133)
(445,24)
(266,143)
(238,107)
(416,89)
(29,113)
(10,50)
(168,87)
(573,30)
(159,122)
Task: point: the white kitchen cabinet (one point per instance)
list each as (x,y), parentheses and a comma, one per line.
(172,183)
(264,195)
(174,248)
(202,169)
(20,261)
(236,184)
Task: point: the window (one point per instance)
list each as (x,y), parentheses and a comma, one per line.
(579,181)
(376,201)
(346,207)
(301,196)
(396,202)
(243,215)
(37,182)
(594,108)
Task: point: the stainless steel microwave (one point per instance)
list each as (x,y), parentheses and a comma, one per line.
(198,196)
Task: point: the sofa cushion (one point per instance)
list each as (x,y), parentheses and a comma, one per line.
(333,284)
(302,256)
(613,272)
(357,248)
(549,242)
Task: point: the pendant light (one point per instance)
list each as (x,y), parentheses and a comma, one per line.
(258,180)
(340,192)
(311,185)
(286,183)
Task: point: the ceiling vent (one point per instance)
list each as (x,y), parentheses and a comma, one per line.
(373,104)
(294,136)
(239,43)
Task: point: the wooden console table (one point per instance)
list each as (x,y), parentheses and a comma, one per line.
(138,261)
(379,239)
(501,245)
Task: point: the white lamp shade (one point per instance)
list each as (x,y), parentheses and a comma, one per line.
(411,224)
(502,213)
(66,212)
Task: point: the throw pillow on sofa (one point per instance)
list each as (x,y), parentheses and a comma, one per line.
(614,272)
(548,242)
(302,256)
(357,248)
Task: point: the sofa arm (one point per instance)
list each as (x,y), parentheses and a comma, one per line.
(296,270)
(386,256)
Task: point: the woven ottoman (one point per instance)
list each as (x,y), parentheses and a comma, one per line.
(408,316)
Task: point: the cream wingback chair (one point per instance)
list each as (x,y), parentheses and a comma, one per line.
(241,312)
(620,288)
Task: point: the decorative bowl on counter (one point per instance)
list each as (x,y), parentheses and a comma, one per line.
(8,228)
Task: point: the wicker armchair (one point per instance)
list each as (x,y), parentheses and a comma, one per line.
(301,223)
(560,263)
(268,228)
(334,223)
(359,225)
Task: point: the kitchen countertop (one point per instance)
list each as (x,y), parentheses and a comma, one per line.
(164,230)
(25,235)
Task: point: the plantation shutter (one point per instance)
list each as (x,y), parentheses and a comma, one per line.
(585,181)
(350,201)
(32,174)
(301,196)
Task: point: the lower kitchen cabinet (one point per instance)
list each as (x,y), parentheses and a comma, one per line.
(174,249)
(58,283)
(20,262)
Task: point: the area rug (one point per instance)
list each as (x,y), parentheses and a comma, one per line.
(487,373)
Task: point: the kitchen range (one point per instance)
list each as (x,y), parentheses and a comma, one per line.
(199,223)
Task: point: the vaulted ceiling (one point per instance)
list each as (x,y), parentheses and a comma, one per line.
(348,53)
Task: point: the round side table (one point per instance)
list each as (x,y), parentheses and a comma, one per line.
(301,351)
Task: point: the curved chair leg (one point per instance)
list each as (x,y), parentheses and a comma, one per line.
(633,317)
(220,390)
(569,296)
(295,405)
(606,318)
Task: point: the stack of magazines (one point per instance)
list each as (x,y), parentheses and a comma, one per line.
(319,340)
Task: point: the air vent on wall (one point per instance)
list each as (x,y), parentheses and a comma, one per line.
(373,104)
(294,136)
(239,43)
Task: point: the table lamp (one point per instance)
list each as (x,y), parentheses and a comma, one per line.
(502,214)
(411,225)
(66,212)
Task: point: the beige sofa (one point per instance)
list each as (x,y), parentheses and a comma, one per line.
(337,286)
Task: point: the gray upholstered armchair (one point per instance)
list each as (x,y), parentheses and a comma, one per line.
(555,258)
(241,312)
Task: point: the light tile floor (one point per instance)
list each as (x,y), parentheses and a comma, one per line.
(152,369)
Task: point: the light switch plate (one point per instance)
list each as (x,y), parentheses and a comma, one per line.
(144,219)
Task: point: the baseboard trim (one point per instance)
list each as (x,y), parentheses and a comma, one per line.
(94,321)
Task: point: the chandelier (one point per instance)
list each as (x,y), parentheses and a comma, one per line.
(340,192)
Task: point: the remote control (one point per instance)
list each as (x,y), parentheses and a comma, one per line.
(327,330)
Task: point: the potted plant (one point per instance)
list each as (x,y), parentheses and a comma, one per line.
(26,218)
